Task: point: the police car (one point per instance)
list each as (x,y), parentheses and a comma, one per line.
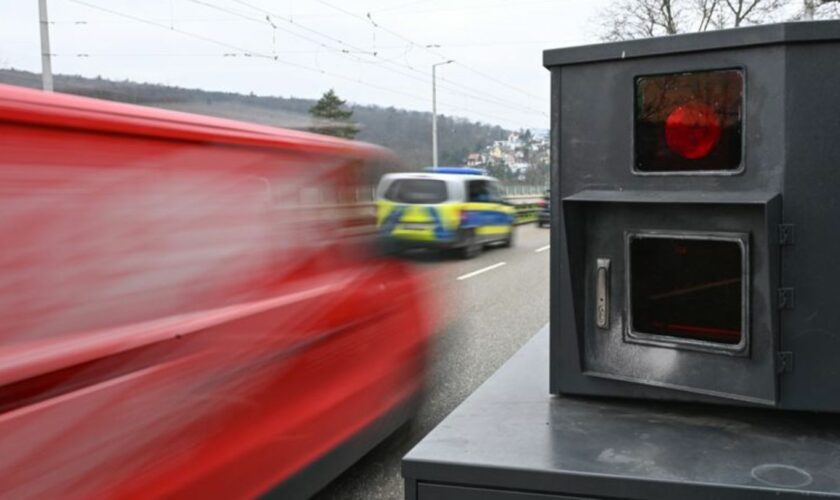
(445,207)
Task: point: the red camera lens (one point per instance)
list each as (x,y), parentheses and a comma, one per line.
(692,130)
(689,122)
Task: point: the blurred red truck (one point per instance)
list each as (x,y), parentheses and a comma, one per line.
(190,306)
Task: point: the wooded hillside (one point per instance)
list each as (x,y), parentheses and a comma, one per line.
(409,133)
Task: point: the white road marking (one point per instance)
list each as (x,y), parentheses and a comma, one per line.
(482,270)
(542,249)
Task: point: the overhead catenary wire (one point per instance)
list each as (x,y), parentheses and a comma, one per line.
(256,54)
(380,48)
(174,54)
(403,5)
(170,22)
(264,21)
(482,5)
(449,85)
(428,49)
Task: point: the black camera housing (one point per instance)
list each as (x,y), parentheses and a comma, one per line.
(696,217)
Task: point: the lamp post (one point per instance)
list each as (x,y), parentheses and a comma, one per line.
(434,111)
(46,63)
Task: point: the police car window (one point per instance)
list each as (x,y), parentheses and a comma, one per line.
(417,191)
(496,193)
(479,191)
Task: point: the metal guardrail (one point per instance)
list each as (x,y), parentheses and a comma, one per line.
(524,198)
(526,212)
(511,190)
(526,205)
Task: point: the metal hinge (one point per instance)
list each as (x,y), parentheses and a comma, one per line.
(787,235)
(785,298)
(784,362)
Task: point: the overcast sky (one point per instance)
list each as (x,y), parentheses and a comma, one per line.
(369,51)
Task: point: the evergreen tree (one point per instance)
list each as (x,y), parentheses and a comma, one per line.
(526,139)
(499,170)
(330,108)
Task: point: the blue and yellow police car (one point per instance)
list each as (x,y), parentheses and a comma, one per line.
(444,207)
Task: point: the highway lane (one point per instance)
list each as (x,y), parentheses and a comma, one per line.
(495,303)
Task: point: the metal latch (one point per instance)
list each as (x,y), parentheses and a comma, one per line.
(785,298)
(602,293)
(784,362)
(787,234)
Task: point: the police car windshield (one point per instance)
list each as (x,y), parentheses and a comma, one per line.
(417,191)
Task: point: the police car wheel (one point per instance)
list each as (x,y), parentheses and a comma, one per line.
(508,242)
(471,249)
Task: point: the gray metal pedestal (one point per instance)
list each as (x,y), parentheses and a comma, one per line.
(512,440)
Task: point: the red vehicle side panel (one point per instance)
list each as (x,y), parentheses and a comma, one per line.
(179,318)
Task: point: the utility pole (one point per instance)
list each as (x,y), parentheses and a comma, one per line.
(46,63)
(434,111)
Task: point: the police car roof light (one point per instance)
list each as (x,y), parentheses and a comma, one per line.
(455,170)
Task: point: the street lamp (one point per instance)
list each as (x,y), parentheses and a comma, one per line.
(46,62)
(434,111)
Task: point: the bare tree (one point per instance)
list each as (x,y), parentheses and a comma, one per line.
(819,9)
(709,14)
(628,19)
(740,12)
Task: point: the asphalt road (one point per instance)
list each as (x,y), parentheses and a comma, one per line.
(492,310)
